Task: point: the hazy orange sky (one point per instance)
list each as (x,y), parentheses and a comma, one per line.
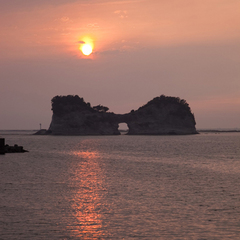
(142,49)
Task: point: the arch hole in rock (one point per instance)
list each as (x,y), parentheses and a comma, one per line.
(123,128)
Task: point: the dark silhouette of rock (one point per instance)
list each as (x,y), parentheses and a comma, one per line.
(14,149)
(2,145)
(162,115)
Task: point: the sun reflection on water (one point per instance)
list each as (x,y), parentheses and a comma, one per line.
(87,200)
(85,154)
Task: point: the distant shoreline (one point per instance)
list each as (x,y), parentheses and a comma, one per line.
(217,130)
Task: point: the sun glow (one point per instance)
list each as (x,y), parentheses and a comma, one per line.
(86,49)
(86,45)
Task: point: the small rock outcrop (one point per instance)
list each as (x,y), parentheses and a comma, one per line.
(162,115)
(42,132)
(14,149)
(5,148)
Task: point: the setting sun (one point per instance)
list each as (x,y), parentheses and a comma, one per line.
(86,49)
(86,45)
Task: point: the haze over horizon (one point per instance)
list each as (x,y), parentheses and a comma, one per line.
(142,49)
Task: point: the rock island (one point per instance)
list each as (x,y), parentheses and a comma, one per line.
(161,116)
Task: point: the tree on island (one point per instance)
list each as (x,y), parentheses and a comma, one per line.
(165,100)
(101,108)
(70,103)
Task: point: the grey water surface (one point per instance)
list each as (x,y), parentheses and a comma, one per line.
(121,187)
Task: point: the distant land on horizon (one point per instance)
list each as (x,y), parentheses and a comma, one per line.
(126,129)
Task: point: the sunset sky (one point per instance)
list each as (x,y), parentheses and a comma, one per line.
(141,49)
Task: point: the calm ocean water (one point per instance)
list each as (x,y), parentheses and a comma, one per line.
(121,187)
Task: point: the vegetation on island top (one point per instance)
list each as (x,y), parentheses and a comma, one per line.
(72,103)
(165,100)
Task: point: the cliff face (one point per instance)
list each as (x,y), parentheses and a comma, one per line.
(84,123)
(162,115)
(72,116)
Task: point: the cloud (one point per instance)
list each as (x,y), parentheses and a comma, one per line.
(65,19)
(121,13)
(93,25)
(28,4)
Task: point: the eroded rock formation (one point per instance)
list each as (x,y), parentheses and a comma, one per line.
(162,115)
(73,116)
(5,148)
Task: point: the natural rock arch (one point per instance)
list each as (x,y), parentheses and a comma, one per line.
(162,115)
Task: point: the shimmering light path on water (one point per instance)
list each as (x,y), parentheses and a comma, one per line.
(121,187)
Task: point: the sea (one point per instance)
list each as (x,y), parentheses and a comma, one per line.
(121,187)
